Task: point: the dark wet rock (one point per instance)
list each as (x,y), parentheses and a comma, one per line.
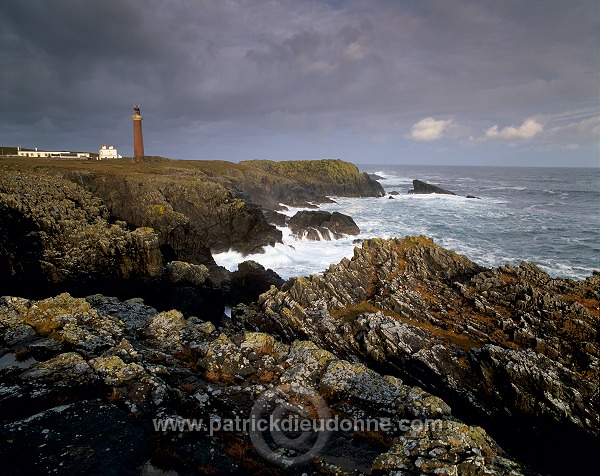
(275,218)
(420,187)
(194,287)
(251,280)
(390,197)
(394,192)
(133,313)
(473,196)
(317,225)
(86,437)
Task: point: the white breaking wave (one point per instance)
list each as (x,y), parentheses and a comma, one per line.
(512,222)
(293,257)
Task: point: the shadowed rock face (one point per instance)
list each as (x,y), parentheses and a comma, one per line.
(58,237)
(189,213)
(420,187)
(317,225)
(251,280)
(96,374)
(56,234)
(508,346)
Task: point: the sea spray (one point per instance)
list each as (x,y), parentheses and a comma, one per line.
(549,216)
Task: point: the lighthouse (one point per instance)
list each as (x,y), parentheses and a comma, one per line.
(138,138)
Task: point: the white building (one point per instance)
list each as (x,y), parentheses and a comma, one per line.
(108,153)
(51,153)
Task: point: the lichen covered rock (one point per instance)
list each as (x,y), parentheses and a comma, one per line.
(445,448)
(125,367)
(509,344)
(55,233)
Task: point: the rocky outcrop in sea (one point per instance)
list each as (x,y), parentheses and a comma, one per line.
(322,225)
(420,187)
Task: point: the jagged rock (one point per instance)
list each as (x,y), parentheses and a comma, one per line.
(275,218)
(66,411)
(182,272)
(166,328)
(448,448)
(317,225)
(511,345)
(251,280)
(343,380)
(394,192)
(420,187)
(133,313)
(306,364)
(57,235)
(117,373)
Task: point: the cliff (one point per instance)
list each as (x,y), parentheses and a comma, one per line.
(194,204)
(55,233)
(57,236)
(300,182)
(188,212)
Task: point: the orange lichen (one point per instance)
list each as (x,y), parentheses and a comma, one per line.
(353,311)
(592,305)
(421,289)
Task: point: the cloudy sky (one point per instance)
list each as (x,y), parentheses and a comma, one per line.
(481,82)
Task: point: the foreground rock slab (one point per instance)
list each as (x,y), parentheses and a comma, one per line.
(110,387)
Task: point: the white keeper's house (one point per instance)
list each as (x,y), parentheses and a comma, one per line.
(108,153)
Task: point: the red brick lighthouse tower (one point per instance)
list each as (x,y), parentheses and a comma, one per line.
(138,138)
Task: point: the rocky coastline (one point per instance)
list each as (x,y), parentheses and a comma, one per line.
(112,322)
(509,346)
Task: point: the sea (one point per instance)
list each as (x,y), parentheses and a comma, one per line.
(550,216)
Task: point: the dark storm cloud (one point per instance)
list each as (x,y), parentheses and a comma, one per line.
(210,74)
